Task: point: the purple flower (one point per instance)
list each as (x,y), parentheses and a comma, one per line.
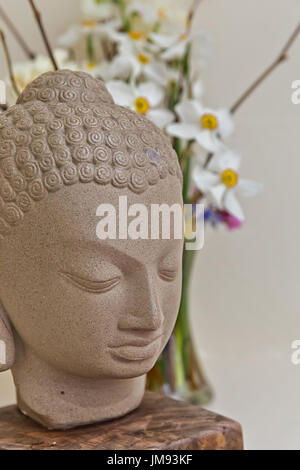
(229,220)
(212,216)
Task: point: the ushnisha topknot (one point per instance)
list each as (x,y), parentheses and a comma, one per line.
(65,129)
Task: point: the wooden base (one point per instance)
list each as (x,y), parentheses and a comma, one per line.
(159,423)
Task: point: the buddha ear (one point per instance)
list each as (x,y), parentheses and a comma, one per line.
(7,345)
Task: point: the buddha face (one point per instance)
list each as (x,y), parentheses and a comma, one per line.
(90,307)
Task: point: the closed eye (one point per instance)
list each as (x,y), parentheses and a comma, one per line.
(168,274)
(94,287)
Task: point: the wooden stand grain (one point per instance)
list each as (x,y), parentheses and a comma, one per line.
(159,423)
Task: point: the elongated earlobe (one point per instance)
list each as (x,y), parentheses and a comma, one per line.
(7,346)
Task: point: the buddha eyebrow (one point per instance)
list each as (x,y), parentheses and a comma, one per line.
(109,252)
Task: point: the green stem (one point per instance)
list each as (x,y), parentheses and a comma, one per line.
(182,328)
(123,13)
(177,146)
(185,155)
(174,95)
(182,325)
(90,47)
(186,181)
(179,363)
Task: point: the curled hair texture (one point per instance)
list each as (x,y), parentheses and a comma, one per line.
(65,129)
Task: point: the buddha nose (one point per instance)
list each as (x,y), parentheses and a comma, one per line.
(145,313)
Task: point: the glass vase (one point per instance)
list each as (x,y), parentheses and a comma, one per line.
(178,372)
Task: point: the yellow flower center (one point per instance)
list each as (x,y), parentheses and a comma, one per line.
(162,14)
(143,59)
(141,105)
(21,83)
(229,178)
(209,121)
(91,65)
(182,37)
(89,23)
(135,35)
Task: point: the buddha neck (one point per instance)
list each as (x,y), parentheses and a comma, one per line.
(59,400)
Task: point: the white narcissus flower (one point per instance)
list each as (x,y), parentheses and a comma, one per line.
(173,46)
(134,65)
(134,58)
(167,11)
(221,183)
(145,99)
(144,12)
(75,32)
(89,67)
(117,68)
(130,41)
(193,90)
(130,45)
(98,9)
(204,125)
(160,73)
(197,88)
(153,17)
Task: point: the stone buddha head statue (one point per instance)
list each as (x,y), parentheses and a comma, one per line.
(82,319)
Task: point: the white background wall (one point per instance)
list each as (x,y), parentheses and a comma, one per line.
(245,294)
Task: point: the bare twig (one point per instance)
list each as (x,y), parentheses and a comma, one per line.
(16,34)
(208,159)
(9,63)
(281,58)
(186,154)
(192,13)
(184,69)
(43,33)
